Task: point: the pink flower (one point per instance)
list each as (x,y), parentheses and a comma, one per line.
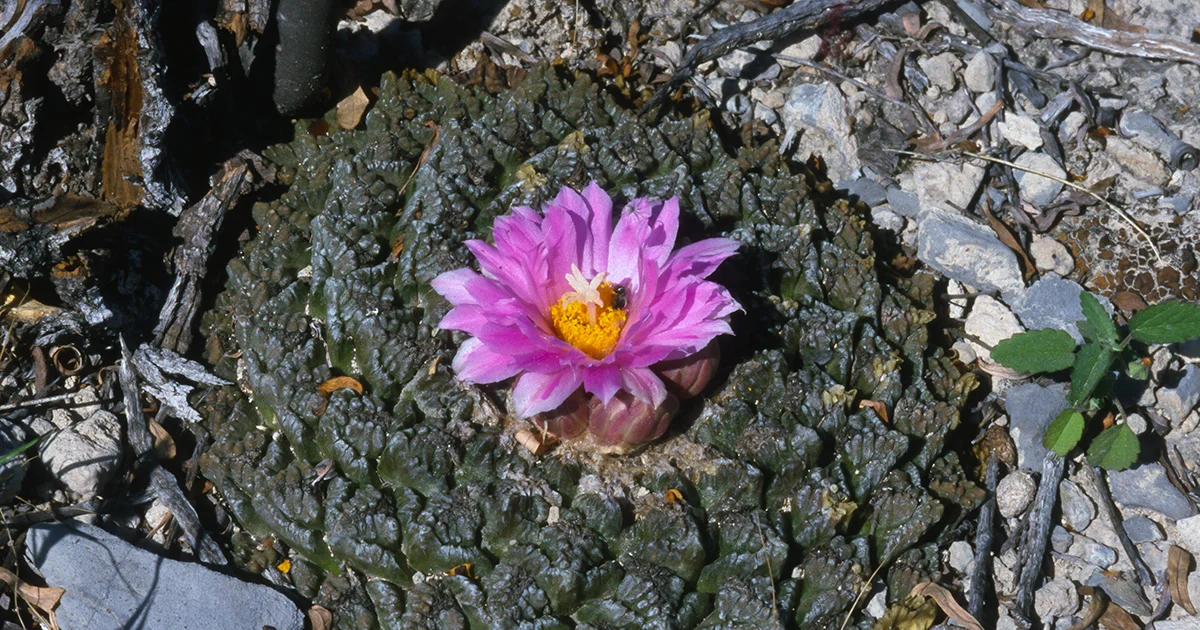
(570,300)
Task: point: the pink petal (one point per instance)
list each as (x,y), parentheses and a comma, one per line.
(536,392)
(604,381)
(474,363)
(625,249)
(644,384)
(602,223)
(664,227)
(701,258)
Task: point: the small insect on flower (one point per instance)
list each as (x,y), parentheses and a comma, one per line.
(603,323)
(620,299)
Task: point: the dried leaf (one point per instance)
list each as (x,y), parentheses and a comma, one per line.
(1129,301)
(945,600)
(461,569)
(1010,240)
(1178,563)
(1095,608)
(164,444)
(320,618)
(285,566)
(350,110)
(535,443)
(437,135)
(1115,618)
(336,383)
(674,496)
(68,360)
(879,406)
(32,312)
(43,598)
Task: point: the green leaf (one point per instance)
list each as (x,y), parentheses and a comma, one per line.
(1087,331)
(1093,363)
(1063,434)
(1102,325)
(1047,350)
(1116,448)
(9,456)
(1167,322)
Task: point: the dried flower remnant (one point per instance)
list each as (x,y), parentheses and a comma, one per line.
(574,305)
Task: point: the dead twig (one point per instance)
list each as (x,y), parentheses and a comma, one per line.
(804,14)
(1059,25)
(1032,552)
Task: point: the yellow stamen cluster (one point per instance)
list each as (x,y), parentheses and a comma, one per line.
(586,317)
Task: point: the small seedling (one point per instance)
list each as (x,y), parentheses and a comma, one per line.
(1093,367)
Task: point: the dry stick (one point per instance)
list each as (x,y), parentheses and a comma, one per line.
(198,226)
(981,572)
(1059,25)
(1041,521)
(162,484)
(1112,206)
(1098,481)
(39,401)
(804,14)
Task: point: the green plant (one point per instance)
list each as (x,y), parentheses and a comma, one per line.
(1093,367)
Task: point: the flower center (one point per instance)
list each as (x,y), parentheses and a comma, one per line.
(587,317)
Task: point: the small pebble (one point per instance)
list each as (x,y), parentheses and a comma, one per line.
(1021,130)
(1055,600)
(1049,255)
(941,69)
(1061,539)
(980,75)
(1014,493)
(1078,510)
(1141,529)
(961,556)
(1189,534)
(1092,552)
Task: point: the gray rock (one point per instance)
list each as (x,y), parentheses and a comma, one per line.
(866,189)
(12,472)
(1061,539)
(941,69)
(1148,487)
(1189,533)
(961,556)
(884,217)
(818,115)
(1050,255)
(1014,493)
(936,183)
(1078,510)
(1177,402)
(1056,599)
(1136,423)
(1021,130)
(1053,302)
(1125,592)
(806,49)
(1092,552)
(84,455)
(958,107)
(980,75)
(903,203)
(1031,408)
(991,322)
(1071,126)
(112,584)
(1141,529)
(1036,189)
(968,252)
(1176,624)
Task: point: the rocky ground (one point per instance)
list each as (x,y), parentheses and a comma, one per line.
(1024,152)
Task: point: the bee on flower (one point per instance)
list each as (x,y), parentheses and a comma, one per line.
(604,324)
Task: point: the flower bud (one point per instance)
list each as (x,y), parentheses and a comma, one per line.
(566,420)
(626,422)
(689,376)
